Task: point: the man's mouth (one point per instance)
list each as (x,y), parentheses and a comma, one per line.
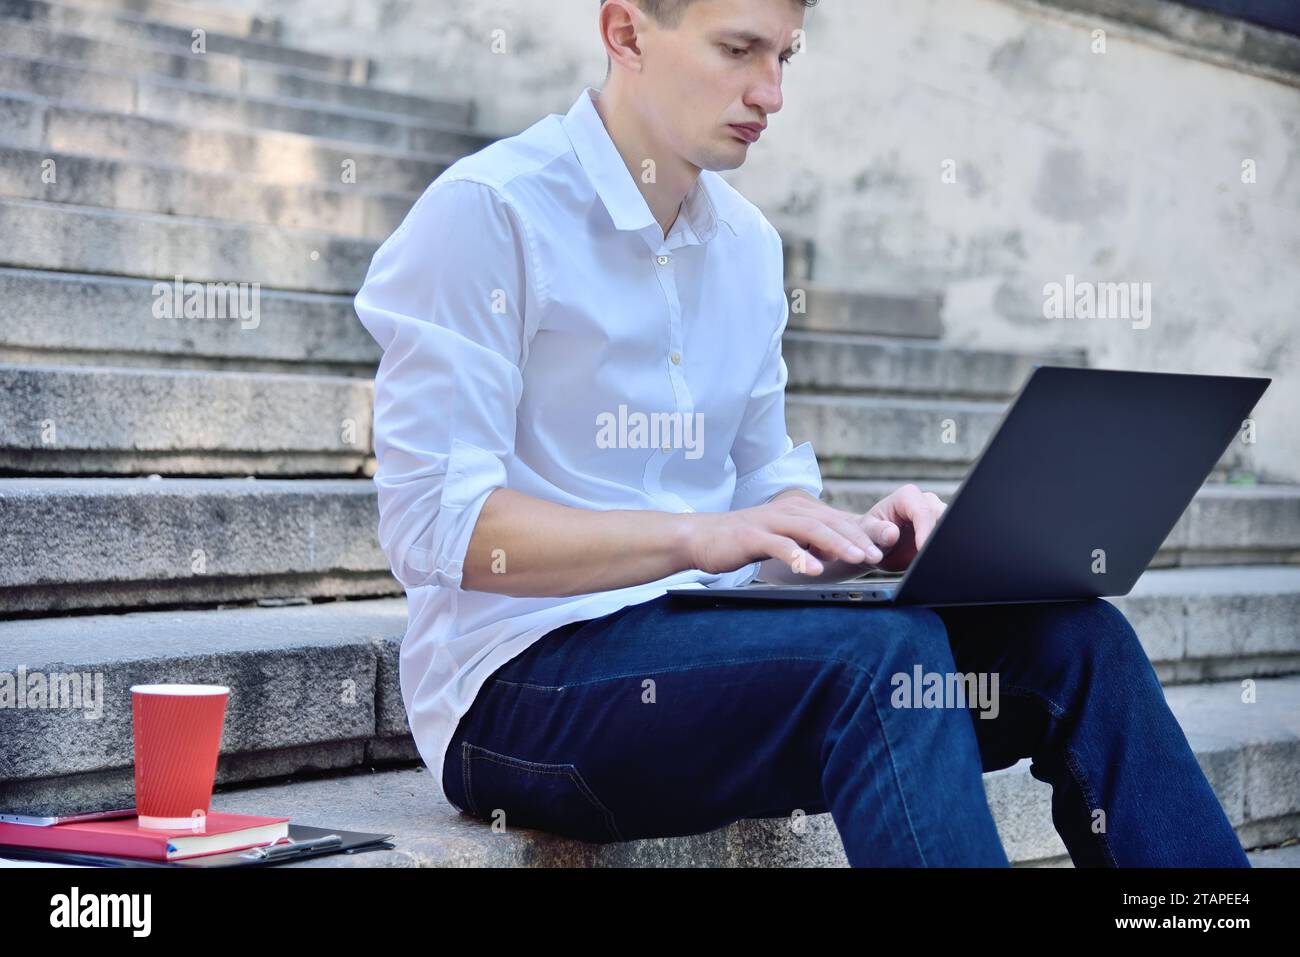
(750,132)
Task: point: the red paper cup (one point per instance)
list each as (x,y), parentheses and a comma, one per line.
(177,739)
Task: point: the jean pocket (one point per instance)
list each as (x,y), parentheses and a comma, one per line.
(549,797)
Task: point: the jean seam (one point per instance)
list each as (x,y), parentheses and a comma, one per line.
(464,778)
(1088,795)
(893,765)
(569,770)
(1054,709)
(660,671)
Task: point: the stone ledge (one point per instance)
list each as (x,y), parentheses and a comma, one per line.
(120,26)
(266,155)
(1251,761)
(316,686)
(1218,39)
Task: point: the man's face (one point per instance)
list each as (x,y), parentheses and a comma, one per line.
(711,72)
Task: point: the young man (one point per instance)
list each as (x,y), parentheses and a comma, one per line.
(581,403)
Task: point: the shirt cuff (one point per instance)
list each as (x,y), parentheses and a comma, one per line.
(736,579)
(472,474)
(796,468)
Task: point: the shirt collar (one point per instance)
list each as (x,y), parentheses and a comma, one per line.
(613,181)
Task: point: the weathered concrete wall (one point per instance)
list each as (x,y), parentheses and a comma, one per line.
(982,147)
(447,47)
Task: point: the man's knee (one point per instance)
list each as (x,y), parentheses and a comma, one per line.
(885,639)
(1094,635)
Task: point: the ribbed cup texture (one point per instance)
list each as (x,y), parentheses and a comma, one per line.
(177,740)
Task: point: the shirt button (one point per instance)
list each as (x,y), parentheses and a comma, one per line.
(662,260)
(676,357)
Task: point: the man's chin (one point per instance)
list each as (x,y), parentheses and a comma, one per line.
(733,159)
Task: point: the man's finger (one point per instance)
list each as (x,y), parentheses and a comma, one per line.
(820,535)
(924,517)
(801,560)
(881,531)
(849,525)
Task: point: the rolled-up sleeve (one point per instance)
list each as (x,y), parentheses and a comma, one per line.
(767,460)
(452,298)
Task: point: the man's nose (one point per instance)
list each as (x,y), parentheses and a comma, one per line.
(765,94)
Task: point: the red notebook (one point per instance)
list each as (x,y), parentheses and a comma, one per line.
(123,836)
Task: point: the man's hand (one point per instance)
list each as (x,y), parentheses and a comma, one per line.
(906,517)
(794,528)
(811,538)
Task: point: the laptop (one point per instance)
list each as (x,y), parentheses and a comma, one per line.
(1072,496)
(48,815)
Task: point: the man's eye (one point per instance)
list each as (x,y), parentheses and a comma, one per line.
(741,51)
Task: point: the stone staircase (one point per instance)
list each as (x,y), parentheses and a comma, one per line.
(189,499)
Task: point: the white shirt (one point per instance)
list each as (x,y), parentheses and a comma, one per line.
(531,314)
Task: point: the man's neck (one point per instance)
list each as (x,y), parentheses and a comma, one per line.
(665,195)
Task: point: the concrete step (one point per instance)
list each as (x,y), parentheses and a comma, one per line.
(265,155)
(220,70)
(153,95)
(127,28)
(44,321)
(1284,855)
(76,420)
(25,40)
(83,239)
(894,430)
(237,23)
(313,686)
(108,91)
(44,567)
(429,832)
(1249,752)
(820,308)
(343,709)
(874,436)
(147,528)
(54,419)
(446,132)
(1217,623)
(155,188)
(876,365)
(109,543)
(243,646)
(869,436)
(1225,524)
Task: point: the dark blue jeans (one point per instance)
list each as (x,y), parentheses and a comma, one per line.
(668,718)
